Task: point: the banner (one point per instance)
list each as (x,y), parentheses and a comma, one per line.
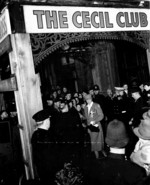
(59,19)
(5,28)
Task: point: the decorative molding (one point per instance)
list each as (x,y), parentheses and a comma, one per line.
(44,44)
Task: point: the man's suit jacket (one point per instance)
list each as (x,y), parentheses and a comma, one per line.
(137,112)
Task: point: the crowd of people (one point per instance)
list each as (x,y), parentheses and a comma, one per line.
(91,138)
(88,137)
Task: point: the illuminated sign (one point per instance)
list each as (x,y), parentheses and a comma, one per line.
(57,19)
(5,28)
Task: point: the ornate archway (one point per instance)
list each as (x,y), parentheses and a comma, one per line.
(44,44)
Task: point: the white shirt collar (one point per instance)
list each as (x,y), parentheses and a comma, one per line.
(117,150)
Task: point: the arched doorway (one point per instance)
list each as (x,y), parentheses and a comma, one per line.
(80,60)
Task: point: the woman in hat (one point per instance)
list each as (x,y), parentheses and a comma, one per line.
(94,114)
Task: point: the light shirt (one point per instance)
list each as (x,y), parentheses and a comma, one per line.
(89,107)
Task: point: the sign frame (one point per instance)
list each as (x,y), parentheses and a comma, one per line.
(64,19)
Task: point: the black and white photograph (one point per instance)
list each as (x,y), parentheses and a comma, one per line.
(74,92)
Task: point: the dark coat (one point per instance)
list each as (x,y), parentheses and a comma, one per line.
(115,170)
(44,158)
(70,135)
(137,112)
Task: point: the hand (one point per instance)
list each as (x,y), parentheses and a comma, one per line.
(92,122)
(130,122)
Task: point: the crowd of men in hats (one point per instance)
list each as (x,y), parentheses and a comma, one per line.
(106,136)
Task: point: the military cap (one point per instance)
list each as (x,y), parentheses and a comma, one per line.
(41,115)
(96,87)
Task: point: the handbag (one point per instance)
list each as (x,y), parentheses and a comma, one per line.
(93,128)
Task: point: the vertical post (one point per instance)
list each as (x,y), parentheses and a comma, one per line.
(148,58)
(28,97)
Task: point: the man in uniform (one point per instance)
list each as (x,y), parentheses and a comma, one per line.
(43,148)
(115,169)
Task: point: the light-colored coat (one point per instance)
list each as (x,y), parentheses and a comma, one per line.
(94,116)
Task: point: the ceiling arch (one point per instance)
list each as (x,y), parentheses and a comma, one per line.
(45,44)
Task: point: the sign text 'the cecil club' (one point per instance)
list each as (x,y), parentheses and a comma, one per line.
(84,19)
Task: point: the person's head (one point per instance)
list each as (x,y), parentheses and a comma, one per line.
(75,95)
(4,114)
(125,87)
(54,94)
(109,92)
(68,96)
(42,119)
(77,100)
(49,100)
(80,96)
(13,114)
(141,86)
(58,92)
(147,86)
(135,93)
(116,134)
(74,102)
(57,103)
(84,93)
(91,91)
(119,91)
(83,104)
(78,107)
(143,130)
(63,105)
(88,98)
(96,89)
(64,89)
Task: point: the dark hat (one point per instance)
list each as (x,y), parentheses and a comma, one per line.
(41,115)
(57,100)
(49,98)
(134,89)
(63,101)
(143,130)
(96,87)
(116,135)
